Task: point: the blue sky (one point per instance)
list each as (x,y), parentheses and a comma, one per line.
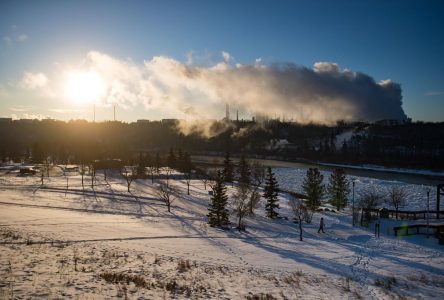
(398,40)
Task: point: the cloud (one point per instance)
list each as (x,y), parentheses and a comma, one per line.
(322,94)
(65,111)
(33,81)
(22,38)
(3,92)
(227,57)
(21,108)
(7,40)
(433,94)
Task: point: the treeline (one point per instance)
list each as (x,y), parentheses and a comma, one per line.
(419,145)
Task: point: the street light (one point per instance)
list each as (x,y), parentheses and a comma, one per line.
(428,204)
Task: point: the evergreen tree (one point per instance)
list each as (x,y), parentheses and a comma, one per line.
(157,162)
(244,172)
(186,164)
(171,160)
(313,188)
(338,189)
(141,167)
(218,213)
(271,191)
(228,168)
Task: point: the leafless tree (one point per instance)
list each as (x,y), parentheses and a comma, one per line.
(188,177)
(167,171)
(397,197)
(204,177)
(241,202)
(129,173)
(92,172)
(166,194)
(152,170)
(257,179)
(82,170)
(299,211)
(370,199)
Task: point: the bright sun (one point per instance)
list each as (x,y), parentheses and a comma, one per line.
(84,87)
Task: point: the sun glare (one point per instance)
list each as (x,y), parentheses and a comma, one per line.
(84,87)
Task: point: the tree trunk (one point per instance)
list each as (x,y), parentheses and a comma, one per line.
(300,229)
(188,190)
(169,206)
(239,224)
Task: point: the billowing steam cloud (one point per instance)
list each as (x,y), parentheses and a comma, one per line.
(323,94)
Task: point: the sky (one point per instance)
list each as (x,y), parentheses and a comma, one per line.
(316,60)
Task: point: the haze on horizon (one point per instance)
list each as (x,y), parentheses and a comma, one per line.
(312,62)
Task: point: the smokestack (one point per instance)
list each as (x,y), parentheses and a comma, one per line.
(227,112)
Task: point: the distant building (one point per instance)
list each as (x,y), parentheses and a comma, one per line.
(27,121)
(143,121)
(5,120)
(170,121)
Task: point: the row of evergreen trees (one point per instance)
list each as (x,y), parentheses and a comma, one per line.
(250,178)
(337,188)
(246,197)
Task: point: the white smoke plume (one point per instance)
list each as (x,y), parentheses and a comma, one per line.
(322,94)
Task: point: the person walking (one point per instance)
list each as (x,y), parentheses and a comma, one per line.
(321,226)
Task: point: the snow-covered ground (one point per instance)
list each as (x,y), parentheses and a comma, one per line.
(105,242)
(291,179)
(385,169)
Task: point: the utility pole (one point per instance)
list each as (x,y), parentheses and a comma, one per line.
(353,203)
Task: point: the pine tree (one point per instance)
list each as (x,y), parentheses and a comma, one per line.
(244,172)
(141,166)
(171,160)
(338,189)
(157,162)
(228,168)
(218,213)
(271,191)
(313,188)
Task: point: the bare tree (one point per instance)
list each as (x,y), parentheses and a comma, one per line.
(168,172)
(257,179)
(82,170)
(370,199)
(203,174)
(129,173)
(166,194)
(241,202)
(152,170)
(299,211)
(188,178)
(397,197)
(92,172)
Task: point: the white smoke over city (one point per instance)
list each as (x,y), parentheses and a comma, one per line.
(322,94)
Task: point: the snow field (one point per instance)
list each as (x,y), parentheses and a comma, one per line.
(128,244)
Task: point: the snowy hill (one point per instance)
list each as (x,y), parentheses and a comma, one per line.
(104,242)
